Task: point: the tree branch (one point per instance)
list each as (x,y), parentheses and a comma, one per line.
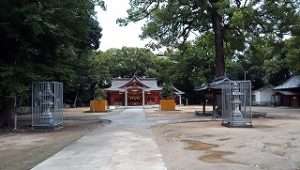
(238,3)
(245,3)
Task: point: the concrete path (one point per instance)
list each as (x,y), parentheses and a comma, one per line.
(125,144)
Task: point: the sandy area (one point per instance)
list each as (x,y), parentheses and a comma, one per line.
(25,148)
(272,143)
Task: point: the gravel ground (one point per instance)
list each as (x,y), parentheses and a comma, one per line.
(26,148)
(273,142)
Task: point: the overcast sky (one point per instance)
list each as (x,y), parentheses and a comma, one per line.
(114,36)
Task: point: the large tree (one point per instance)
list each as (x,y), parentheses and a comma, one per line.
(194,62)
(293,54)
(171,22)
(41,41)
(127,61)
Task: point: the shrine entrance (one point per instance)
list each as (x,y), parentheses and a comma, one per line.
(135,97)
(134,91)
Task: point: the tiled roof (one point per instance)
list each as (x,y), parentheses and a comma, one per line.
(287,93)
(119,82)
(177,91)
(264,88)
(292,83)
(215,84)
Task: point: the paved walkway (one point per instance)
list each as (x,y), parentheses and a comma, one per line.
(125,144)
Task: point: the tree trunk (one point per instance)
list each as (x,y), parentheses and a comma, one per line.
(75,100)
(214,101)
(219,42)
(204,104)
(7,112)
(92,91)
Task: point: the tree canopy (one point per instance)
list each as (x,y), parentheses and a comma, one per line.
(43,40)
(171,22)
(57,40)
(293,54)
(127,61)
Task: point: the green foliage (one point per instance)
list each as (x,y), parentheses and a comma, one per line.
(235,23)
(255,74)
(100,93)
(43,41)
(293,54)
(234,70)
(166,92)
(194,63)
(92,70)
(163,70)
(264,61)
(97,68)
(127,61)
(272,66)
(237,19)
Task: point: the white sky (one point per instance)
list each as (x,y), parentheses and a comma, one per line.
(114,36)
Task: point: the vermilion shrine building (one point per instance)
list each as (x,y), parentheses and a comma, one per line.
(136,92)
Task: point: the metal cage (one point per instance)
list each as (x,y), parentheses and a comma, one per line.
(236,104)
(47,104)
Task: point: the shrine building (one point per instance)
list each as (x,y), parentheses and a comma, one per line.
(136,91)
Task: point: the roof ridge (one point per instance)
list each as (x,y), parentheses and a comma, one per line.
(140,78)
(288,82)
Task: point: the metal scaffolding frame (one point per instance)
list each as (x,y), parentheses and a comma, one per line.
(236,104)
(47,104)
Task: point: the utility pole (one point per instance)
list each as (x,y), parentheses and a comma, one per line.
(245,75)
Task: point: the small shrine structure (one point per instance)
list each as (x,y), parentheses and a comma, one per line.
(236,104)
(133,91)
(136,91)
(288,93)
(211,93)
(47,105)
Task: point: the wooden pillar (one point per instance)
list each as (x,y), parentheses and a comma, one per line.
(204,103)
(214,101)
(180,102)
(126,98)
(143,98)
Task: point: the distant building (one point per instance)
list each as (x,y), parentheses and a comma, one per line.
(289,92)
(263,96)
(136,91)
(211,93)
(178,95)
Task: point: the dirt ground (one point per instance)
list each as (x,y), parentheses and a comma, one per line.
(272,143)
(26,148)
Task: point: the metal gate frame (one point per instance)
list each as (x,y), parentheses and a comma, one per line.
(242,92)
(47,104)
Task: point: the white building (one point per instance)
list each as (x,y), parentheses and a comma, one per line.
(263,96)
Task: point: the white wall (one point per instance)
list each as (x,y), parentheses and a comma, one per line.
(257,97)
(266,95)
(263,97)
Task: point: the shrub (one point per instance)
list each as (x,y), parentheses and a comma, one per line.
(100,94)
(166,92)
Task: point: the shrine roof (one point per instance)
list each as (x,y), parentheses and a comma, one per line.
(292,83)
(287,93)
(118,84)
(216,84)
(177,91)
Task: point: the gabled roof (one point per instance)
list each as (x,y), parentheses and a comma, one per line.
(134,81)
(216,84)
(287,93)
(265,87)
(177,91)
(119,84)
(202,87)
(291,83)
